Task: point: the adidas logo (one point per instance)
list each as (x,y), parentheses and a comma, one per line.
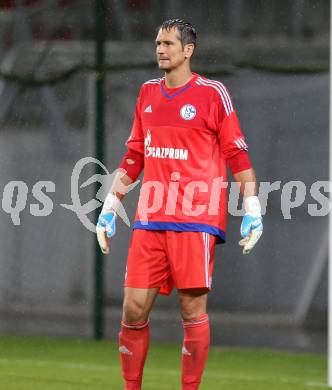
(185,351)
(125,350)
(148,109)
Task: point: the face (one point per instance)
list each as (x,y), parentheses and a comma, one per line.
(169,50)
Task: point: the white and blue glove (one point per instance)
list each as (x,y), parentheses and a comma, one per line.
(252,224)
(105,227)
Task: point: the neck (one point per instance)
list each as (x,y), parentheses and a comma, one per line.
(178,77)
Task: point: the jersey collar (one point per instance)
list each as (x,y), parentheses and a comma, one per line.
(170,93)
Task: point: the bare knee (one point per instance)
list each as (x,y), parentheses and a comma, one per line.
(192,303)
(134,311)
(137,304)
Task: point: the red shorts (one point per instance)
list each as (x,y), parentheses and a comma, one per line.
(167,258)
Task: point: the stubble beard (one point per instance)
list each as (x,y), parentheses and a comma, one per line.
(164,67)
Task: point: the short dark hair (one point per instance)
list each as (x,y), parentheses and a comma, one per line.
(186,30)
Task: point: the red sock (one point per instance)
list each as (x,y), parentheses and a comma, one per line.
(133,347)
(194,351)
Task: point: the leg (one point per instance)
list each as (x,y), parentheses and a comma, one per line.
(134,334)
(191,257)
(147,271)
(138,303)
(196,336)
(193,302)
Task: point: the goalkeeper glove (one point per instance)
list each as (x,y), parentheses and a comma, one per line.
(105,228)
(252,225)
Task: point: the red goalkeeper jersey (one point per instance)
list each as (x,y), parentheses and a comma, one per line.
(186,135)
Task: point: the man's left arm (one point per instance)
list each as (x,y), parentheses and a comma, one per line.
(251,226)
(235,151)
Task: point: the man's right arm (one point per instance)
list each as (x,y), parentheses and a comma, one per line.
(130,168)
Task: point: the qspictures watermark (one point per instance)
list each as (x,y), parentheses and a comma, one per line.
(155,194)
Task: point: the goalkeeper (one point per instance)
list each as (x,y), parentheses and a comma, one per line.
(185,133)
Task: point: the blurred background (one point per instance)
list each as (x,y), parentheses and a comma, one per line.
(274,58)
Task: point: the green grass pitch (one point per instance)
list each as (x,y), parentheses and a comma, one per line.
(28,363)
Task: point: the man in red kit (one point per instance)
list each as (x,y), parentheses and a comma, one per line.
(184,134)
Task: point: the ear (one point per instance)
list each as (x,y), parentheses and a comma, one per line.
(189,50)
